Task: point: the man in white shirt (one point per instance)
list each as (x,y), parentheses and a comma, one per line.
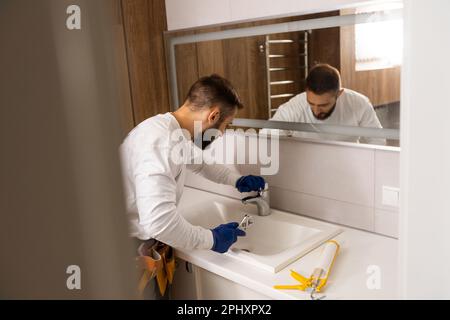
(326,102)
(154,172)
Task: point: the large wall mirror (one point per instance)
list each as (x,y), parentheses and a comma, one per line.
(269,62)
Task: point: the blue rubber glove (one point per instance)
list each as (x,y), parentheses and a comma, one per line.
(225,235)
(250,183)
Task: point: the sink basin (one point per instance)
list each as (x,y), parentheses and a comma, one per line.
(272,242)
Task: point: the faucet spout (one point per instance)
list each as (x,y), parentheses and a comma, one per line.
(261,200)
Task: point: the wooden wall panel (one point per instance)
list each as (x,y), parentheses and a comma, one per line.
(144,24)
(126,106)
(187,68)
(245,68)
(257,79)
(236,70)
(210,57)
(325,47)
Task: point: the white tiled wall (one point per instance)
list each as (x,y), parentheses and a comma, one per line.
(327,171)
(386,222)
(387,168)
(337,183)
(341,212)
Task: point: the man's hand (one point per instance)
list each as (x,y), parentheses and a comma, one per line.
(225,235)
(250,183)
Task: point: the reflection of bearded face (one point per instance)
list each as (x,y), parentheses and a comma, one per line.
(323,105)
(324,115)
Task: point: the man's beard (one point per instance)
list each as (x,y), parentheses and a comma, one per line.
(325,115)
(203,142)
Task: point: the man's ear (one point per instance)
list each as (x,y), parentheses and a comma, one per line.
(341,91)
(214,115)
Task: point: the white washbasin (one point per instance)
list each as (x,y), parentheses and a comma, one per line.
(272,242)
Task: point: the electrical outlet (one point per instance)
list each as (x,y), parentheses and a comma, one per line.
(391,197)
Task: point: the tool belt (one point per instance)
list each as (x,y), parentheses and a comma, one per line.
(155,260)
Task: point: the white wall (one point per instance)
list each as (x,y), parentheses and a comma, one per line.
(183,14)
(425,159)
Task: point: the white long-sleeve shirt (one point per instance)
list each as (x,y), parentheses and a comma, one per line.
(352,109)
(154,176)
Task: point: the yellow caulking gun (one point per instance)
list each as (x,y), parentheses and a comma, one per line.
(319,276)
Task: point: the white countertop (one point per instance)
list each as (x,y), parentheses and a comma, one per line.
(359,250)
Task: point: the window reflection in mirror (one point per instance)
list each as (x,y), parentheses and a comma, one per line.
(348,76)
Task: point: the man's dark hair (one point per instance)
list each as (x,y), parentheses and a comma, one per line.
(214,90)
(323,78)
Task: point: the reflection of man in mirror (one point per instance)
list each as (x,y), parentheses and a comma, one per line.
(326,102)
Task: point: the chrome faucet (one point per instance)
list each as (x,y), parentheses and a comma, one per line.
(261,200)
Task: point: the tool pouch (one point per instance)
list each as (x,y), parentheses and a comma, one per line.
(155,260)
